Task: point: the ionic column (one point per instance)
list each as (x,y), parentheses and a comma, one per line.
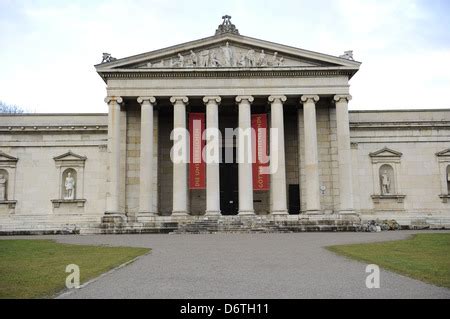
(278,178)
(344,154)
(212,164)
(180,186)
(311,154)
(244,158)
(146,205)
(112,198)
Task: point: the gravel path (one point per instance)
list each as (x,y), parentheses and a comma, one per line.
(246,266)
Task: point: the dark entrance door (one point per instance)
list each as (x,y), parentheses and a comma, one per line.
(229,196)
(294,199)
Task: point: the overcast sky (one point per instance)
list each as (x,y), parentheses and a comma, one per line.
(49,48)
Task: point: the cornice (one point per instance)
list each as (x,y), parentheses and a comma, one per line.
(53,128)
(225,73)
(400,125)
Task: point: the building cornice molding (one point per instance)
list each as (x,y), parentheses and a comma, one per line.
(224,73)
(53,129)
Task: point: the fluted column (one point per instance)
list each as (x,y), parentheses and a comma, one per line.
(146,204)
(244,158)
(344,154)
(213,156)
(278,178)
(311,154)
(180,186)
(112,198)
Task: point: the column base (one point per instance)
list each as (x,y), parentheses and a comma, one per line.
(279,213)
(180,214)
(114,218)
(246,213)
(349,215)
(212,213)
(143,217)
(314,212)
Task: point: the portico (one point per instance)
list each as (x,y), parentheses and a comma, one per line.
(304,95)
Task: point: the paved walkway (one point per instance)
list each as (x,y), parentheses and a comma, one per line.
(247,266)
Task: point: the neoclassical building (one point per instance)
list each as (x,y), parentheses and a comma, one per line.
(100,173)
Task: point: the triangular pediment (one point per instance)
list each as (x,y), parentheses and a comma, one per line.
(69,156)
(444,153)
(385,152)
(228,51)
(7,158)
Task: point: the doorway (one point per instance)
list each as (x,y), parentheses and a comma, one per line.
(229,196)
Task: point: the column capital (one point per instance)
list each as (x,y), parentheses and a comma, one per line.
(117,99)
(216,99)
(338,98)
(179,99)
(281,98)
(309,98)
(150,99)
(241,98)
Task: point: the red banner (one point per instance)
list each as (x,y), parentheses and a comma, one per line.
(197,166)
(260,146)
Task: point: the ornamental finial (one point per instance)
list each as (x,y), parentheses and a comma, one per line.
(226,26)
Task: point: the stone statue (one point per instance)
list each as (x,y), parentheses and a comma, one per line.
(178,63)
(385,183)
(204,58)
(348,55)
(262,61)
(194,59)
(160,64)
(70,187)
(274,60)
(3,181)
(107,57)
(242,60)
(250,58)
(214,60)
(226,26)
(227,55)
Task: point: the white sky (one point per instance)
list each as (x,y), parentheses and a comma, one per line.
(49,48)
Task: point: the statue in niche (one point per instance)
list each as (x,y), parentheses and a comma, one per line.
(385,183)
(262,59)
(69,185)
(204,58)
(194,59)
(3,181)
(227,55)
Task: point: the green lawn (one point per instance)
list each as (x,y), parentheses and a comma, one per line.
(36,268)
(424,257)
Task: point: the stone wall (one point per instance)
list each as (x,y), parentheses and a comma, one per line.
(46,145)
(412,140)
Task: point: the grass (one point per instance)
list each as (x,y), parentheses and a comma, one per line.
(37,268)
(425,257)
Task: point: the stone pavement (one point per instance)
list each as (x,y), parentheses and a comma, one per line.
(246,266)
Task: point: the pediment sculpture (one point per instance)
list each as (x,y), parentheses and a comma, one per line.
(226,56)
